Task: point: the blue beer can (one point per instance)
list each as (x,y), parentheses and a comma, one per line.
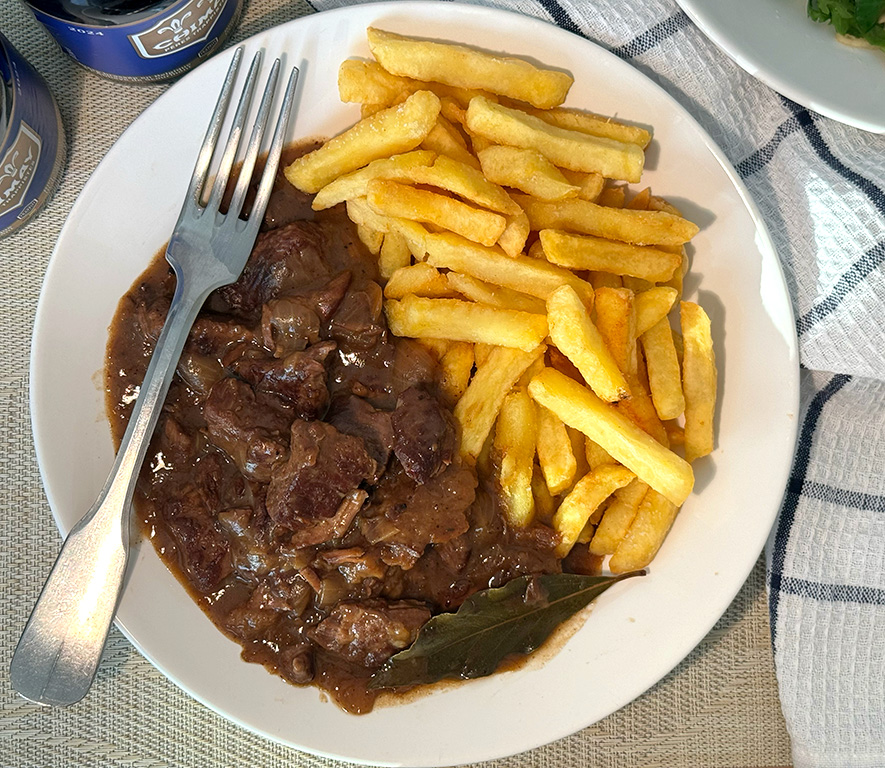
(146,41)
(32,140)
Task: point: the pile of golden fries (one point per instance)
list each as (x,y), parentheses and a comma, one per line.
(510,245)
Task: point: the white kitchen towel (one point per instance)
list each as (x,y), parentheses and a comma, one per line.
(820,186)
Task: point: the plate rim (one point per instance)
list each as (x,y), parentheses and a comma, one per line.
(702,14)
(740,188)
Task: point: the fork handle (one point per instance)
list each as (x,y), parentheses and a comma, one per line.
(60,648)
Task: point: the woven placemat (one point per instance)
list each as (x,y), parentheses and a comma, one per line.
(718,707)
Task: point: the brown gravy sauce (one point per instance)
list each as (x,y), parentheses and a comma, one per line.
(324,611)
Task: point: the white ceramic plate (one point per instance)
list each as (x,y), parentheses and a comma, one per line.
(775,41)
(639,630)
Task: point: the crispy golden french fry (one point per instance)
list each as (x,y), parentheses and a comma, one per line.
(628,226)
(456,366)
(617,518)
(514,454)
(652,306)
(444,139)
(578,407)
(481,353)
(371,238)
(394,254)
(419,279)
(699,380)
(465,181)
(391,198)
(389,132)
(457,320)
(646,533)
(600,255)
(355,184)
(555,456)
(574,334)
(612,197)
(415,235)
(545,504)
(494,295)
(565,148)
(604,280)
(515,234)
(367,82)
(465,67)
(595,454)
(595,125)
(640,200)
(436,347)
(664,375)
(659,204)
(616,321)
(577,507)
(590,185)
(520,273)
(477,410)
(526,170)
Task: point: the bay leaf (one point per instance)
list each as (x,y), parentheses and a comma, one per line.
(490,626)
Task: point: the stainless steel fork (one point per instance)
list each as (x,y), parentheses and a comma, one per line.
(59,650)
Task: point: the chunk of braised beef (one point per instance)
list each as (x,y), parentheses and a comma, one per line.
(203,551)
(355,416)
(424,434)
(289,325)
(315,493)
(284,260)
(368,633)
(212,335)
(404,516)
(357,323)
(249,429)
(299,378)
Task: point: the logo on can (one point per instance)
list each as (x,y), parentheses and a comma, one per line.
(189,25)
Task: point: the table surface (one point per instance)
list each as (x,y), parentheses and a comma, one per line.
(718,707)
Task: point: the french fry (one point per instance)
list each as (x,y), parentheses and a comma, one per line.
(664,375)
(367,82)
(494,295)
(457,320)
(415,235)
(699,380)
(477,410)
(356,183)
(564,148)
(646,533)
(616,321)
(612,197)
(574,334)
(523,274)
(617,517)
(388,132)
(391,198)
(394,254)
(515,234)
(466,181)
(456,366)
(555,457)
(577,507)
(590,185)
(583,217)
(601,255)
(545,504)
(596,455)
(640,200)
(444,139)
(578,407)
(514,453)
(526,170)
(465,67)
(652,306)
(419,279)
(595,125)
(371,238)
